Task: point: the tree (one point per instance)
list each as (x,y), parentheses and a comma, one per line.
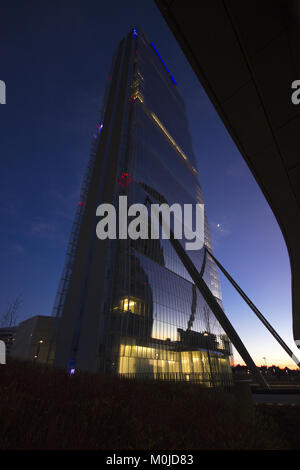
(10,316)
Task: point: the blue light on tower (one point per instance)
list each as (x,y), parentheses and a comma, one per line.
(171,76)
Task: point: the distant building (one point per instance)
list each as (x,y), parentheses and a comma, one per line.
(8,336)
(32,339)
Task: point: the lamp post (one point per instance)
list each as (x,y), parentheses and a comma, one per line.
(206,334)
(38,349)
(265,360)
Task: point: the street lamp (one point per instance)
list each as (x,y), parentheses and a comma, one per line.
(265,359)
(38,349)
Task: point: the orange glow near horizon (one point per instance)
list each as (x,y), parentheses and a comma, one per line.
(281,365)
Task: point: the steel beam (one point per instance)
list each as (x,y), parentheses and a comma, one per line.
(211,301)
(256,311)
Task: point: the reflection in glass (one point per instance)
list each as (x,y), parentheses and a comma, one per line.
(159,325)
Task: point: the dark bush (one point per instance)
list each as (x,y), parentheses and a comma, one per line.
(43,408)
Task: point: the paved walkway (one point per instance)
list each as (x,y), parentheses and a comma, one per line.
(277,399)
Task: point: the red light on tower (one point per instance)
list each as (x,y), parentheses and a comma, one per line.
(125,180)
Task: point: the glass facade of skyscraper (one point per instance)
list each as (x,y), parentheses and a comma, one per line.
(140,315)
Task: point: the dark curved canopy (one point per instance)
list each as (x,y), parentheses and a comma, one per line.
(246,55)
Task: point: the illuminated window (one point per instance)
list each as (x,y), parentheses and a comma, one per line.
(128,304)
(137,95)
(132,305)
(162,127)
(139,75)
(134,84)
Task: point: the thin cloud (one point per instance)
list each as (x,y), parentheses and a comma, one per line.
(17,248)
(41,228)
(236,169)
(12,249)
(65,204)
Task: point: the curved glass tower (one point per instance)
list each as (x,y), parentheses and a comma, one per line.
(126,306)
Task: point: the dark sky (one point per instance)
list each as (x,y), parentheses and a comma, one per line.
(55,58)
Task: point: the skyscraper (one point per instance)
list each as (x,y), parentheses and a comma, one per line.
(127,306)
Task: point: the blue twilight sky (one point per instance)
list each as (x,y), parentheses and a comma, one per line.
(55,58)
